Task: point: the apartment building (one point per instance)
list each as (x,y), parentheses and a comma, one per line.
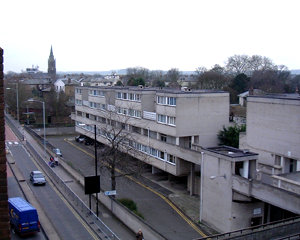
(260,182)
(164,124)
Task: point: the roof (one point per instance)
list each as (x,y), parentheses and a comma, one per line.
(21,204)
(36,81)
(231,151)
(183,90)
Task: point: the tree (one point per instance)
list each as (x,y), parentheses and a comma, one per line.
(230,136)
(238,64)
(272,81)
(136,82)
(136,73)
(172,75)
(240,83)
(117,154)
(215,78)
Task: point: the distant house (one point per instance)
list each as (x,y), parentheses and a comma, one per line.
(100,81)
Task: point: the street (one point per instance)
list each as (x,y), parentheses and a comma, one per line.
(66,224)
(157,212)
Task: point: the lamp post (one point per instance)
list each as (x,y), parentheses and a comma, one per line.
(44,140)
(96,160)
(17,93)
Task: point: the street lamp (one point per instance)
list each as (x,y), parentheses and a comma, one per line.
(17,93)
(33,100)
(96,159)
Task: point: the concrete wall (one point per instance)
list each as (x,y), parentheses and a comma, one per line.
(217,193)
(273,126)
(204,115)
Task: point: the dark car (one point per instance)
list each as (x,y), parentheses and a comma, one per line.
(80,138)
(37,178)
(89,141)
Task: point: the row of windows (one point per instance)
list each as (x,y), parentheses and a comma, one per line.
(78,102)
(129,112)
(152,152)
(143,148)
(97,105)
(128,96)
(166,119)
(78,91)
(166,100)
(96,93)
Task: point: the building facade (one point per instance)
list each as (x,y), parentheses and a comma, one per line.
(164,125)
(260,182)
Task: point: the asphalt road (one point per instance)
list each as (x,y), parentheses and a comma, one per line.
(160,215)
(15,191)
(66,224)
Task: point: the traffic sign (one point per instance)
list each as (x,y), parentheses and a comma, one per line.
(109,193)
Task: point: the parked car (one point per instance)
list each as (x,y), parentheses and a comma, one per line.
(37,178)
(80,138)
(89,141)
(57,152)
(23,216)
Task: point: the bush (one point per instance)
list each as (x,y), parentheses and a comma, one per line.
(131,205)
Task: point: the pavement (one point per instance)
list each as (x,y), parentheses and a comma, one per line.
(176,193)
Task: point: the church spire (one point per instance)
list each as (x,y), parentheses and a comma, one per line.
(52,66)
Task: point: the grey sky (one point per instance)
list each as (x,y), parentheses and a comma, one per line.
(95,35)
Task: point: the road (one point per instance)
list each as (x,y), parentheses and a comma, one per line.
(15,191)
(157,212)
(63,218)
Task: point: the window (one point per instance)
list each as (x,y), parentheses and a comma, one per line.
(166,119)
(78,102)
(119,95)
(87,115)
(161,100)
(131,96)
(170,158)
(161,118)
(78,91)
(103,106)
(172,101)
(163,138)
(124,95)
(171,120)
(161,155)
(166,100)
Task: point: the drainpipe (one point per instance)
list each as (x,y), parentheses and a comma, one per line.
(201,187)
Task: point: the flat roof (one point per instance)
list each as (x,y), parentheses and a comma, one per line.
(291,96)
(231,151)
(158,89)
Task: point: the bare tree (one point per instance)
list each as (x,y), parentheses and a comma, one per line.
(118,153)
(238,64)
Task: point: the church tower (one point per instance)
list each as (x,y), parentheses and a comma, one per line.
(52,66)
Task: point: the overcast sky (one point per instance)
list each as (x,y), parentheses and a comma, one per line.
(155,34)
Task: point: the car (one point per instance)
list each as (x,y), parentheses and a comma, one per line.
(57,152)
(80,138)
(37,178)
(89,141)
